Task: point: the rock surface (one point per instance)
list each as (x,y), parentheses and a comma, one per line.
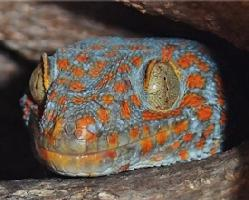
(221,177)
(228,20)
(31,28)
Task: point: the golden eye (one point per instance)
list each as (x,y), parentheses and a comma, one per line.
(38,82)
(161,85)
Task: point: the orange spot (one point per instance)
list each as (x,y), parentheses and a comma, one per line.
(110,154)
(187,137)
(219,84)
(63,64)
(112,140)
(146,130)
(175,145)
(135,100)
(82,58)
(97,69)
(161,136)
(51,115)
(157,157)
(149,115)
(105,80)
(187,60)
(221,100)
(52,95)
(124,168)
(62,100)
(96,47)
(84,121)
(208,131)
(200,144)
(58,127)
(146,145)
(183,154)
(125,110)
(107,99)
(78,72)
(180,126)
(204,113)
(137,47)
(223,119)
(62,81)
(134,133)
(167,53)
(79,100)
(118,47)
(213,150)
(192,99)
(124,68)
(137,61)
(218,80)
(93,98)
(120,86)
(56,132)
(195,81)
(103,115)
(202,66)
(111,54)
(91,137)
(76,86)
(80,133)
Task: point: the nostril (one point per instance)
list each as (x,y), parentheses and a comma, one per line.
(81,134)
(70,129)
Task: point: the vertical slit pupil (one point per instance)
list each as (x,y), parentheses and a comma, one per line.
(161,84)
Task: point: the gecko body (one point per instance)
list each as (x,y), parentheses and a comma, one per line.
(112,104)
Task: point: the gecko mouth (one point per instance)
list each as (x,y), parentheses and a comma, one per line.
(94,164)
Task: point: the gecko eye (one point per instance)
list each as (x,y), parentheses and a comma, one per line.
(37,81)
(161,85)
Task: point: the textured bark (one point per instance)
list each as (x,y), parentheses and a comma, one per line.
(220,177)
(228,20)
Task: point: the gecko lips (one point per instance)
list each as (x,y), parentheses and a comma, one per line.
(107,105)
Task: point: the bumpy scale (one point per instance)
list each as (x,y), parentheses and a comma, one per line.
(106,105)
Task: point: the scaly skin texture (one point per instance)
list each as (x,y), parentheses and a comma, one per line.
(97,118)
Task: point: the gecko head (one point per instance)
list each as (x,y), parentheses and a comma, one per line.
(94,109)
(84,108)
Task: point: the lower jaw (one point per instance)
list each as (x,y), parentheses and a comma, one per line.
(87,165)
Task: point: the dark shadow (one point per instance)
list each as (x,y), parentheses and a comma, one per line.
(18,161)
(17,158)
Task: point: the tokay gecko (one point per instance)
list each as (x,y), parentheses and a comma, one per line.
(107,105)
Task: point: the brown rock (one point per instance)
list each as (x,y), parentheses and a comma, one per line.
(220,177)
(32,28)
(228,20)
